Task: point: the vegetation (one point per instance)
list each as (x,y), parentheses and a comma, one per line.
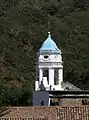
(23,28)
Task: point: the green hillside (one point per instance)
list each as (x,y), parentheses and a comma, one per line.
(23,27)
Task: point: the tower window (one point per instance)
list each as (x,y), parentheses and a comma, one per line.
(46,74)
(46,56)
(56,77)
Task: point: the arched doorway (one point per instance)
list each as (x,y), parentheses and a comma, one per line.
(46,74)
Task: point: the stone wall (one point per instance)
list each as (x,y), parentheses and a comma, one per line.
(70,102)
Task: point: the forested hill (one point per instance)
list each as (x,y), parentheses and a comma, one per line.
(23,27)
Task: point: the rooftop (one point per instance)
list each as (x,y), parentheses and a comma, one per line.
(49,46)
(48,113)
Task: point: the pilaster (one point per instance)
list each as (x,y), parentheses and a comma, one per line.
(40,75)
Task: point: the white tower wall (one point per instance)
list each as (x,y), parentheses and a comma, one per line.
(50,66)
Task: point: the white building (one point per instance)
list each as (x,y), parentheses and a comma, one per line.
(49,66)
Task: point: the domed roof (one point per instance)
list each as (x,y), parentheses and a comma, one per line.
(49,46)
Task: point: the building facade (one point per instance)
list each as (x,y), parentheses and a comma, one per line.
(50,89)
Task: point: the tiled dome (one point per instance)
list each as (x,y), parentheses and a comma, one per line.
(49,46)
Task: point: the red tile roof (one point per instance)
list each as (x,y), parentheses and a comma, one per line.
(73,113)
(49,113)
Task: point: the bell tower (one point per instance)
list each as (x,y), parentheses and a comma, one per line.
(49,66)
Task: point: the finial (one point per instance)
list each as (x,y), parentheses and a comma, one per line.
(49,35)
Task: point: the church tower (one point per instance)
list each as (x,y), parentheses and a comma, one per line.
(49,66)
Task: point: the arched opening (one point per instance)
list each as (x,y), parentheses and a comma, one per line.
(46,74)
(56,80)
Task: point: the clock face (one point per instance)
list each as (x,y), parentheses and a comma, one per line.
(46,56)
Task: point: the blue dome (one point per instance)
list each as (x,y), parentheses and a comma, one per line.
(49,46)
